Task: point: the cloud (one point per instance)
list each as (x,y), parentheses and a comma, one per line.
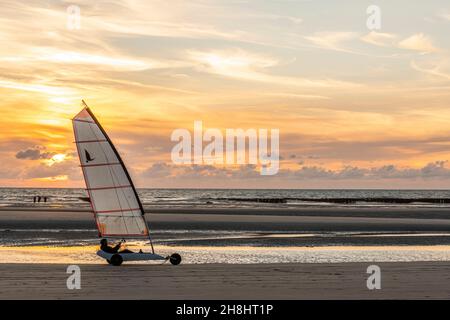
(379,38)
(235,63)
(332,40)
(35,87)
(99,61)
(158,170)
(445,16)
(31,154)
(418,42)
(293,20)
(298,95)
(436,170)
(116,63)
(436,70)
(34,154)
(68,169)
(433,170)
(9,173)
(359,148)
(244,65)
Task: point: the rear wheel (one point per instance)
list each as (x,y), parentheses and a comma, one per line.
(175,259)
(116,260)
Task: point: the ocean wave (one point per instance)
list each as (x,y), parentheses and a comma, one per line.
(73,198)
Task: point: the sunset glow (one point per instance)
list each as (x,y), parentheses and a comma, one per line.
(356,108)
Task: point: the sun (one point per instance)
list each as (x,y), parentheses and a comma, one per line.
(60,157)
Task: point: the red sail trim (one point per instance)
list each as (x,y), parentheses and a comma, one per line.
(118,210)
(107,188)
(89,141)
(87,121)
(129,235)
(100,164)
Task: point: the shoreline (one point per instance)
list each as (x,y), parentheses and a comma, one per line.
(376,212)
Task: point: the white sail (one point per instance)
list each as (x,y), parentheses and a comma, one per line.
(117,209)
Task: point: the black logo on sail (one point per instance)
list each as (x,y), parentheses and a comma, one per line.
(88,156)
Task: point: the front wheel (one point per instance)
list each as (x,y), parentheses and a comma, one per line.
(175,259)
(116,260)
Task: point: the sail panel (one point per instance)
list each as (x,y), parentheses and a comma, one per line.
(117,208)
(114,199)
(106,176)
(120,225)
(91,148)
(87,131)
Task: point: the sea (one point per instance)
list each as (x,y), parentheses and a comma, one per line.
(242,198)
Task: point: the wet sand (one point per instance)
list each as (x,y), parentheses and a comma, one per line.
(285,219)
(412,280)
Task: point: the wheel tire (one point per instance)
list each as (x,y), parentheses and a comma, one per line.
(175,259)
(109,261)
(116,260)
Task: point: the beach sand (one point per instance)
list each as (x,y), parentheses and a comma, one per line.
(414,280)
(46,277)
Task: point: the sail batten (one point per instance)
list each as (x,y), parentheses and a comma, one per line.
(117,208)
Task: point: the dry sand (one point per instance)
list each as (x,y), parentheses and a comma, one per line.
(414,280)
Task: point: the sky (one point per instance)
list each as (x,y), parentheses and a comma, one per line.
(356,107)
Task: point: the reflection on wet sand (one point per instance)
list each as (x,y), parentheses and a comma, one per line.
(237,254)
